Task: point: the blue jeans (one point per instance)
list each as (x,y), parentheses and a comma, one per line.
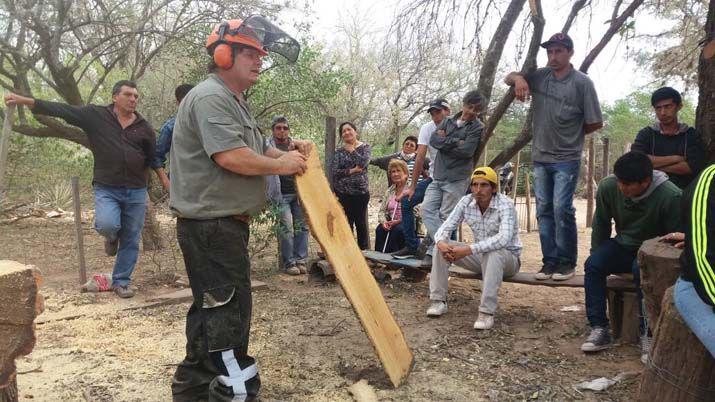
(409,228)
(608,258)
(699,316)
(440,199)
(554,185)
(293,233)
(119,215)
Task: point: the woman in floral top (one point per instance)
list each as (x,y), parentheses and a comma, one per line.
(350,181)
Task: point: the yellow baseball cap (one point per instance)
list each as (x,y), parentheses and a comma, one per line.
(487,173)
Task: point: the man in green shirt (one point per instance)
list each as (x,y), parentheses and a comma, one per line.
(218,163)
(644,204)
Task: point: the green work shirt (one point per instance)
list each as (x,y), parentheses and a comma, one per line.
(212,119)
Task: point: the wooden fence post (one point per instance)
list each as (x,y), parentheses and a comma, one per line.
(514,194)
(589,180)
(330,143)
(78,230)
(4,147)
(606,163)
(528,202)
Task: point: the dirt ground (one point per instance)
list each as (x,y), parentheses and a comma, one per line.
(305,336)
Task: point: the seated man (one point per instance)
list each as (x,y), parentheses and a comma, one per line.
(643,204)
(672,146)
(695,290)
(495,251)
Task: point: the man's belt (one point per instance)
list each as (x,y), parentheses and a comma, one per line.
(243,218)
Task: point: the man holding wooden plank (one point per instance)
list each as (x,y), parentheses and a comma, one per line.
(495,251)
(218,163)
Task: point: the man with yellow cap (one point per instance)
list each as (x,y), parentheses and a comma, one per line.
(494,252)
(219,161)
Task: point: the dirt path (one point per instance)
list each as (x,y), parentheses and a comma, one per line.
(309,345)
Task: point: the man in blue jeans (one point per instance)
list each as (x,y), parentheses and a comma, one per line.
(122,144)
(643,204)
(414,194)
(565,108)
(293,232)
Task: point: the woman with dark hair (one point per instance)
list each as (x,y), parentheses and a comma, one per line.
(388,234)
(350,180)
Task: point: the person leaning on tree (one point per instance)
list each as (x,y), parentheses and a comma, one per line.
(218,162)
(565,108)
(122,143)
(672,146)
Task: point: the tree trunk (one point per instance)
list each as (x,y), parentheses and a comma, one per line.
(680,368)
(705,115)
(18,288)
(660,268)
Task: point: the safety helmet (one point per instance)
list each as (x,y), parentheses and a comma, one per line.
(486,173)
(256,32)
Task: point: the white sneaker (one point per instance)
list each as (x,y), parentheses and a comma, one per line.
(484,321)
(437,308)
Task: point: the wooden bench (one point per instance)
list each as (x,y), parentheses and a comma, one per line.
(622,298)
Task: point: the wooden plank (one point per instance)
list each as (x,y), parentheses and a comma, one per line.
(528,278)
(390,261)
(4,147)
(78,231)
(330,228)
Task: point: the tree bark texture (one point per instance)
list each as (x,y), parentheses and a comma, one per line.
(705,114)
(659,268)
(680,368)
(19,286)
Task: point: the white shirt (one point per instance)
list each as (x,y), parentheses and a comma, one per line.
(426,132)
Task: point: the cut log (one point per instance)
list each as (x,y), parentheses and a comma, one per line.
(330,228)
(19,286)
(660,268)
(623,315)
(680,368)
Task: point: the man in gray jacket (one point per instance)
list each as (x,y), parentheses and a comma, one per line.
(456,140)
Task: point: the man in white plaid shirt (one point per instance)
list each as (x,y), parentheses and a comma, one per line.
(494,253)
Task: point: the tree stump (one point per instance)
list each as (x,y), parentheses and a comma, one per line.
(660,268)
(680,368)
(623,315)
(18,288)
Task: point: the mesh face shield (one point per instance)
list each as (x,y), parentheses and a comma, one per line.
(273,38)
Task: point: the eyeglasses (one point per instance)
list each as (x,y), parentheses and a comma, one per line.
(279,128)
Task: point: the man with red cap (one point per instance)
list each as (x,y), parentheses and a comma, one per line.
(565,107)
(219,161)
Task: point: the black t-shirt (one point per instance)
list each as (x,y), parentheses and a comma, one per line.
(686,144)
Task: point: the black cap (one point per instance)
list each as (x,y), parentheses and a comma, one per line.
(559,39)
(278,119)
(440,103)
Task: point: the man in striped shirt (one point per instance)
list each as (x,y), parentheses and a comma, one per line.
(494,252)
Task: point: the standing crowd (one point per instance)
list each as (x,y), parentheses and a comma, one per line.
(223,172)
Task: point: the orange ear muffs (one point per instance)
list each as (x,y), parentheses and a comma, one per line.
(223,56)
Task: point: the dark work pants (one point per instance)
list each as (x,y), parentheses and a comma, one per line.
(608,258)
(217,366)
(395,241)
(355,207)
